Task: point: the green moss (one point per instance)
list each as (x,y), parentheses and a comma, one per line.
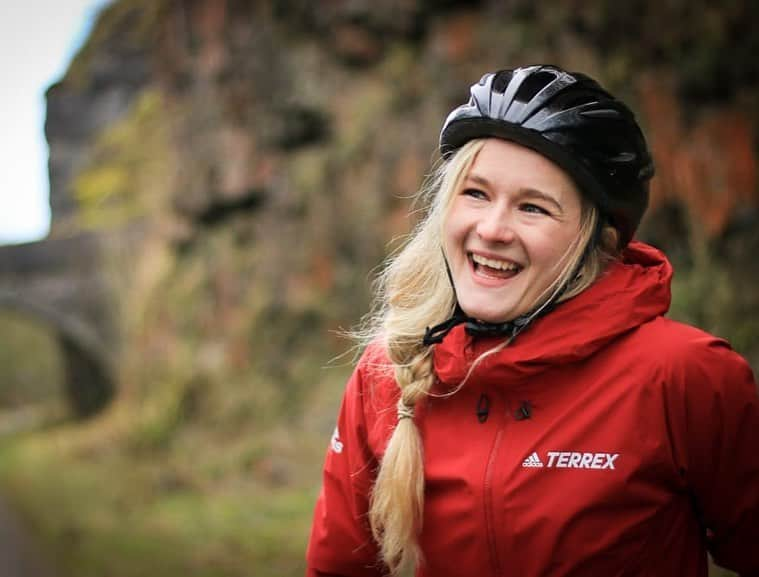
(363,119)
(310,172)
(162,415)
(126,175)
(97,185)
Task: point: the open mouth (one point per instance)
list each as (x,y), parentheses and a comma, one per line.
(493,268)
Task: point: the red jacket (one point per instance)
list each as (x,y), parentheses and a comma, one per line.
(605,441)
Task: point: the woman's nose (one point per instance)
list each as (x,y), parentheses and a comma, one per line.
(495,226)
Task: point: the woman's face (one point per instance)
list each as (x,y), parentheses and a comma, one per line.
(507,229)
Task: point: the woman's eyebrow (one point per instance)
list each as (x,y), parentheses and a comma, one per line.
(534,193)
(478,179)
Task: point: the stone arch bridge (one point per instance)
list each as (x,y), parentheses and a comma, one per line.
(61,284)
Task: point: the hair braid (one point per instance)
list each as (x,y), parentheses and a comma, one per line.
(397,502)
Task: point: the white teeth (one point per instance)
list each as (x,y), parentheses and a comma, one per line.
(496,264)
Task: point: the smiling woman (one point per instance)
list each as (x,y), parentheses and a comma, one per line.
(523,406)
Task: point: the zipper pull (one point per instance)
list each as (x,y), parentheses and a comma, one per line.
(524,411)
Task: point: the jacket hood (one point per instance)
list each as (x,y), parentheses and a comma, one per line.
(630,292)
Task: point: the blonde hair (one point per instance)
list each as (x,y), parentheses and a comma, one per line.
(414,292)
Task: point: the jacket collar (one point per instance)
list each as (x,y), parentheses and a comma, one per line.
(632,291)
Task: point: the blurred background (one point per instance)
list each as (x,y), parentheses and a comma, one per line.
(225,175)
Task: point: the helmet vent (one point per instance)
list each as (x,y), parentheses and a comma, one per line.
(533,84)
(602,113)
(501,80)
(569,101)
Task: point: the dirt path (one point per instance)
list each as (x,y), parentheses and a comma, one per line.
(18,555)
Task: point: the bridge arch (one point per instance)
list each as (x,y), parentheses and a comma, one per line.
(89,382)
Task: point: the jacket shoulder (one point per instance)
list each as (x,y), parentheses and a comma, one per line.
(673,342)
(689,358)
(675,336)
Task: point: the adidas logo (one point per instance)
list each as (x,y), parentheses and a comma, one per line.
(532,461)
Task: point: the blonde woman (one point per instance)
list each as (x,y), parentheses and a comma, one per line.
(523,407)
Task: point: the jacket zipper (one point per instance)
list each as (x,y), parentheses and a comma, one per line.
(490,507)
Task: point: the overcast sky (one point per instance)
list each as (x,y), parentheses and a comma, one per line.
(38,38)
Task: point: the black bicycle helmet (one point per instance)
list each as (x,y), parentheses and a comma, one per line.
(568,118)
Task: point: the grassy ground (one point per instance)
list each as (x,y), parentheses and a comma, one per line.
(149,489)
(103,514)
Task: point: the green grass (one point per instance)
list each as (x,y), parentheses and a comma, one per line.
(104,515)
(204,495)
(25,378)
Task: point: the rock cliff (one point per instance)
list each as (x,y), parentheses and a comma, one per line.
(258,156)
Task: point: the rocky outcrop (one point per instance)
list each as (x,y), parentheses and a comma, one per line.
(267,151)
(97,91)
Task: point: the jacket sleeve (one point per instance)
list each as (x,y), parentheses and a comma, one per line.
(341,543)
(715,416)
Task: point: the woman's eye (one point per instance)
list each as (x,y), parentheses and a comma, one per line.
(474,193)
(534,208)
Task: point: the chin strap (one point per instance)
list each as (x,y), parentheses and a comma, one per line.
(436,334)
(477,328)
